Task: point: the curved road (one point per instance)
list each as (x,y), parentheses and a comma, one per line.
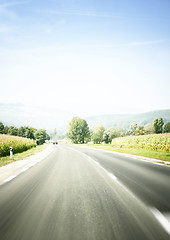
(79,193)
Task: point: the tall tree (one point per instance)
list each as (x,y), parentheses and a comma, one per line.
(21,131)
(1,127)
(78,130)
(97,136)
(133,127)
(167,128)
(13,130)
(158,125)
(40,136)
(6,128)
(155,126)
(109,134)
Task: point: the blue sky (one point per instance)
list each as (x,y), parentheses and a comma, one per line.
(86,57)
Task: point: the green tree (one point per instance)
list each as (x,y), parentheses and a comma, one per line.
(155,126)
(106,136)
(140,131)
(97,136)
(167,128)
(148,128)
(13,130)
(133,128)
(158,125)
(109,134)
(40,136)
(6,128)
(29,132)
(78,130)
(1,127)
(47,136)
(21,131)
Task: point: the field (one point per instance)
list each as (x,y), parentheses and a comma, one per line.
(152,146)
(158,142)
(18,144)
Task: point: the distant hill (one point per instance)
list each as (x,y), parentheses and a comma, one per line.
(38,117)
(50,118)
(125,120)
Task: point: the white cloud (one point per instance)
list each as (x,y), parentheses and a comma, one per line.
(147,42)
(140,43)
(5,9)
(11,4)
(77,13)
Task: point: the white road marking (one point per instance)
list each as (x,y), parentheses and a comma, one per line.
(136,157)
(38,157)
(9,179)
(97,163)
(162,219)
(33,164)
(112,176)
(160,164)
(24,170)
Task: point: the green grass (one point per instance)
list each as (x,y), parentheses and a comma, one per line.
(20,156)
(161,155)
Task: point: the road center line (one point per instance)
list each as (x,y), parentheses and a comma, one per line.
(162,219)
(112,176)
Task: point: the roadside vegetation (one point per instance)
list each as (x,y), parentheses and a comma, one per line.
(78,131)
(149,141)
(152,146)
(20,156)
(23,141)
(160,142)
(18,144)
(40,135)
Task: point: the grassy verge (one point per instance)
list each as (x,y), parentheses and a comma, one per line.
(160,155)
(20,156)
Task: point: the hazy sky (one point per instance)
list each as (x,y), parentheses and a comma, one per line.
(86,56)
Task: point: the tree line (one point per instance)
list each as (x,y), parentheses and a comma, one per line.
(39,135)
(79,131)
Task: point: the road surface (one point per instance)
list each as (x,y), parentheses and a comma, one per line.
(78,193)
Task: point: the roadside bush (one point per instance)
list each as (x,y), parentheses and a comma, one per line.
(18,144)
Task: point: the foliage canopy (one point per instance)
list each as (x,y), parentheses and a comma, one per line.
(167,128)
(78,130)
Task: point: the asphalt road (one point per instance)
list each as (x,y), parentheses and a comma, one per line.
(78,193)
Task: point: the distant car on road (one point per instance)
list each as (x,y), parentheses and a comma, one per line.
(55,142)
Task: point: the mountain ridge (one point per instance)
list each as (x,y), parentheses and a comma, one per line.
(124,120)
(50,117)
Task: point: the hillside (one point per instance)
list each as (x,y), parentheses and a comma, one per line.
(50,117)
(124,120)
(38,117)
